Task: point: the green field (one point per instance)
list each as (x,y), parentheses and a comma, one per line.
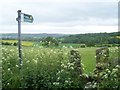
(24,43)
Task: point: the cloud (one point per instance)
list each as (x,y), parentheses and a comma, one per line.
(49,1)
(60,29)
(60,15)
(61,12)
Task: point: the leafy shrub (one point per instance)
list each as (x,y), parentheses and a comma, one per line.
(6,43)
(82,45)
(49,41)
(15,44)
(108,78)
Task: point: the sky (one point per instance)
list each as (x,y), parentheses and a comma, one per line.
(60,16)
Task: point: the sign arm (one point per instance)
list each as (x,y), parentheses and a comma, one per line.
(25,18)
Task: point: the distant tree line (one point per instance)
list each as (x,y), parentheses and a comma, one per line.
(8,43)
(93,39)
(90,39)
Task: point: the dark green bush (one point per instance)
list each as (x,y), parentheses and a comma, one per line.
(82,45)
(6,43)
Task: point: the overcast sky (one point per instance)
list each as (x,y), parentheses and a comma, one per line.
(60,16)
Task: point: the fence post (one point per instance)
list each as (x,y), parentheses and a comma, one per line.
(102,58)
(76,58)
(98,55)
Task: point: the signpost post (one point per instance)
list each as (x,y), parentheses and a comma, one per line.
(19,37)
(25,18)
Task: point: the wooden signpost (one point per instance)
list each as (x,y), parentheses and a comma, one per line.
(22,18)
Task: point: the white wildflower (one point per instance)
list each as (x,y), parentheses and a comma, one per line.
(66,81)
(8,83)
(107,69)
(8,69)
(114,70)
(51,50)
(66,53)
(62,65)
(27,61)
(11,50)
(17,66)
(117,66)
(58,78)
(35,61)
(72,68)
(55,83)
(65,66)
(54,52)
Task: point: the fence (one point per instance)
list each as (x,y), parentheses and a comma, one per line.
(102,59)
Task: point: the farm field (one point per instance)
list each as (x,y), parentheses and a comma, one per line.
(42,66)
(24,43)
(30,43)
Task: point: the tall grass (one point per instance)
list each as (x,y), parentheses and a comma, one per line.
(44,67)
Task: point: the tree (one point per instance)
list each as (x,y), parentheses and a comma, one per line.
(50,41)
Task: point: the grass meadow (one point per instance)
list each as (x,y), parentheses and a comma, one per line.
(31,53)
